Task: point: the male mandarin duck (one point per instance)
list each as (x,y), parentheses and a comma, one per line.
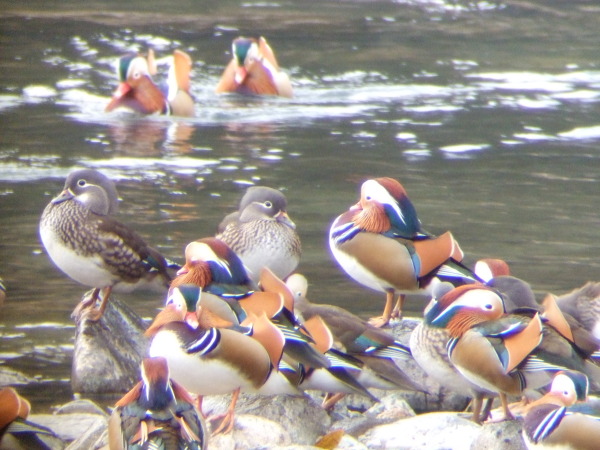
(373,347)
(16,432)
(156,413)
(380,243)
(86,242)
(213,266)
(208,360)
(555,427)
(488,268)
(262,234)
(567,388)
(306,362)
(507,354)
(139,93)
(550,423)
(428,344)
(564,336)
(253,69)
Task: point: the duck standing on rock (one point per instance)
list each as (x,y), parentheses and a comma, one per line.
(380,243)
(138,92)
(86,242)
(156,413)
(262,234)
(253,69)
(207,360)
(375,348)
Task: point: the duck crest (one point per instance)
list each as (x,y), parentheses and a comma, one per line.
(394,187)
(372,219)
(156,390)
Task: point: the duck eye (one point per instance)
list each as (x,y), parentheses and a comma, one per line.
(81,183)
(488,306)
(368,198)
(268,204)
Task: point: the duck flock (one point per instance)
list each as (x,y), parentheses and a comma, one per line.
(236,316)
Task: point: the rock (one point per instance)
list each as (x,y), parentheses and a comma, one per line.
(300,416)
(108,353)
(80,406)
(10,377)
(94,438)
(392,407)
(504,435)
(251,432)
(69,427)
(427,431)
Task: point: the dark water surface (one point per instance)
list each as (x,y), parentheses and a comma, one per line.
(487,112)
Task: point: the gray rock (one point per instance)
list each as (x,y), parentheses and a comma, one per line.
(80,406)
(108,353)
(10,377)
(94,438)
(301,417)
(431,431)
(504,435)
(69,427)
(251,432)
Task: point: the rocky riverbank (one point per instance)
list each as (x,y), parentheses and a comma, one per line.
(106,360)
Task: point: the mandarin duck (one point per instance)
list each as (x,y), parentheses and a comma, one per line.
(253,69)
(208,360)
(86,242)
(139,93)
(551,424)
(16,432)
(555,427)
(308,360)
(373,347)
(583,304)
(379,242)
(507,354)
(567,388)
(156,413)
(489,268)
(262,234)
(564,337)
(428,344)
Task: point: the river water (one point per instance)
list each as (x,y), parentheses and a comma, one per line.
(487,112)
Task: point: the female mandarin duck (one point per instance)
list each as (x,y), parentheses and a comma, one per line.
(262,234)
(379,242)
(156,413)
(375,348)
(86,242)
(208,360)
(254,70)
(139,93)
(550,424)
